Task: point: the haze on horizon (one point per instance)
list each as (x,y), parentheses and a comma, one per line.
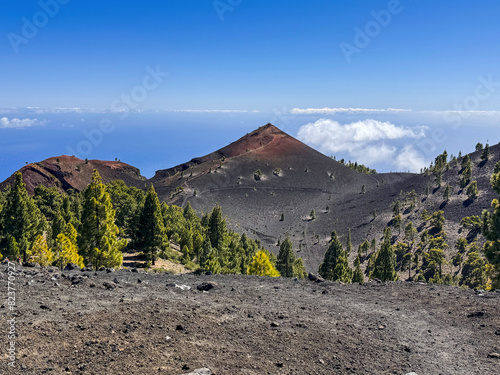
(390,84)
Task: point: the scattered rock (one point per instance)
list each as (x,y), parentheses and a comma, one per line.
(109,286)
(206,286)
(475,314)
(115,280)
(179,327)
(275,324)
(71,266)
(494,355)
(182,287)
(200,371)
(135,270)
(412,373)
(279,364)
(315,278)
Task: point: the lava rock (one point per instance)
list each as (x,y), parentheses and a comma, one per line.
(206,286)
(109,286)
(71,266)
(315,278)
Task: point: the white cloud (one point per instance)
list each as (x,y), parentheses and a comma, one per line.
(372,154)
(332,111)
(331,136)
(16,123)
(410,160)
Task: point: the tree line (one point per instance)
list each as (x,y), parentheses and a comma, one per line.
(94,227)
(426,257)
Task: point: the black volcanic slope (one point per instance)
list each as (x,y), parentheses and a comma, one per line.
(310,180)
(294,180)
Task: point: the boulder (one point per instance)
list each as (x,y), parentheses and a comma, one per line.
(71,266)
(206,286)
(315,278)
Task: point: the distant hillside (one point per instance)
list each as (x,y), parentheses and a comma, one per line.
(69,172)
(268,183)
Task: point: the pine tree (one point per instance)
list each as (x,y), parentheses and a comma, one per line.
(189,213)
(13,251)
(98,240)
(447,192)
(66,252)
(40,252)
(216,228)
(396,208)
(152,238)
(212,264)
(335,266)
(385,263)
(299,270)
(58,224)
(21,217)
(286,258)
(312,215)
(485,155)
(349,242)
(358,276)
(206,249)
(472,190)
(261,266)
(491,230)
(71,233)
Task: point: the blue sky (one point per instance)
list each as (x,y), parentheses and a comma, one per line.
(326,71)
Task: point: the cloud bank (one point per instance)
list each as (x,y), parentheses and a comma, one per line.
(16,123)
(332,111)
(366,142)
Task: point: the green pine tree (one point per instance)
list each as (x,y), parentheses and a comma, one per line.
(491,230)
(286,258)
(335,265)
(385,263)
(98,241)
(21,217)
(349,242)
(358,276)
(152,238)
(217,228)
(472,190)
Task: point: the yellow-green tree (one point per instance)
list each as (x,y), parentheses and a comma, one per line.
(261,266)
(66,252)
(40,252)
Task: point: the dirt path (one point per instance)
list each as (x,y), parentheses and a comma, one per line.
(135,323)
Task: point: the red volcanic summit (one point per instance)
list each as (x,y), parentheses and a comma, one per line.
(69,172)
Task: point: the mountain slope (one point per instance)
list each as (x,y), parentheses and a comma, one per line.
(267,176)
(69,172)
